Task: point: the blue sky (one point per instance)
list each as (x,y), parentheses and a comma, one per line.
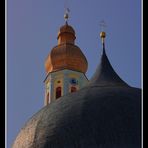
(32,32)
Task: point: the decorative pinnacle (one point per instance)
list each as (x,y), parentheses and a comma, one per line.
(102,34)
(66,15)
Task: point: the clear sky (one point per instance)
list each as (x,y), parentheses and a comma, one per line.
(32,32)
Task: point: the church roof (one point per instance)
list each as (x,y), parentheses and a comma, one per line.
(92,117)
(105,75)
(104,114)
(97,116)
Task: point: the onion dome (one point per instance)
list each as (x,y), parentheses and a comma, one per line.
(104,114)
(66,55)
(66,34)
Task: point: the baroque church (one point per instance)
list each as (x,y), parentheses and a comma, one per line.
(103,112)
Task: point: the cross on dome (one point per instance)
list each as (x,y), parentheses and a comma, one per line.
(66,15)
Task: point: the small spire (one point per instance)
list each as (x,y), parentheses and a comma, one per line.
(66,15)
(105,75)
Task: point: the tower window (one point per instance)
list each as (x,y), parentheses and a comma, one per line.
(58,92)
(73,81)
(73,89)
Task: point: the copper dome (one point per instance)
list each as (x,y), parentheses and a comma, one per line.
(66,55)
(66,28)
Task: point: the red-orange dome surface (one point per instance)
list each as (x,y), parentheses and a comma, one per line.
(66,28)
(66,55)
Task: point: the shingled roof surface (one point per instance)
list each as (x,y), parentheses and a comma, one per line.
(104,114)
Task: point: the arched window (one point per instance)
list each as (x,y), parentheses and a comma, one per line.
(58,92)
(73,89)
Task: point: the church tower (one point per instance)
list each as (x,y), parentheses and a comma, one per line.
(65,66)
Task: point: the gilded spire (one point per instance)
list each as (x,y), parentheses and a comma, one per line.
(103,34)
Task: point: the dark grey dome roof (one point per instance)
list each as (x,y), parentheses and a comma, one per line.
(104,114)
(105,74)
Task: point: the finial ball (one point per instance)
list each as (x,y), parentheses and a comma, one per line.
(66,16)
(102,34)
